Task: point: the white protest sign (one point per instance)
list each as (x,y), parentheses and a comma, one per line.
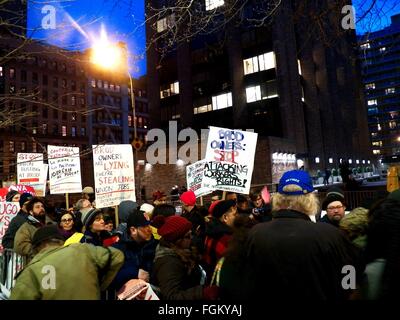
(229,160)
(8,210)
(64,169)
(113,174)
(30,171)
(194,178)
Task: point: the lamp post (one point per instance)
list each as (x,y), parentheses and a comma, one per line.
(110,56)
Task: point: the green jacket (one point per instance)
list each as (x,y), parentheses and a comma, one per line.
(75,272)
(23,239)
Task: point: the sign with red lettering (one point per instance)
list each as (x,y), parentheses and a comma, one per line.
(31,171)
(194,178)
(8,210)
(113,174)
(17,187)
(229,160)
(64,170)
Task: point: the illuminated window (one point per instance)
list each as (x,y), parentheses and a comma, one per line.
(365,46)
(202,109)
(12,73)
(1,71)
(23,146)
(370,86)
(377,143)
(253,94)
(44,128)
(372,102)
(374,134)
(390,90)
(212,4)
(375,151)
(379,127)
(73,131)
(93,82)
(262,62)
(222,101)
(64,131)
(169,90)
(73,100)
(11,146)
(383,49)
(392,124)
(299,66)
(165,23)
(34,147)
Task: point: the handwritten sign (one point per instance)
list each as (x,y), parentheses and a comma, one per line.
(194,178)
(113,174)
(229,160)
(19,187)
(8,210)
(64,170)
(31,171)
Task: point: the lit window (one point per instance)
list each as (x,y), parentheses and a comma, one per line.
(370,86)
(165,23)
(23,146)
(100,84)
(379,127)
(377,143)
(390,90)
(202,109)
(117,88)
(262,62)
(12,73)
(365,46)
(212,4)
(34,147)
(376,151)
(253,94)
(374,134)
(299,66)
(73,100)
(73,116)
(105,84)
(93,82)
(64,131)
(383,49)
(73,131)
(392,124)
(222,101)
(44,128)
(1,71)
(170,90)
(372,102)
(11,146)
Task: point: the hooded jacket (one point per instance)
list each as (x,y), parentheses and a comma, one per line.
(81,272)
(24,235)
(15,224)
(173,278)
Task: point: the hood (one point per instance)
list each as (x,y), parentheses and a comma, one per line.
(125,208)
(32,220)
(162,251)
(216,229)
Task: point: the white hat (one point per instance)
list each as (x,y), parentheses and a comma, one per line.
(148,208)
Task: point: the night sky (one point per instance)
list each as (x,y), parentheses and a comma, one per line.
(124,19)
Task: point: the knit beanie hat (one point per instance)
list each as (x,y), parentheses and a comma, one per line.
(88,218)
(333,194)
(188,198)
(174,228)
(126,207)
(46,233)
(25,197)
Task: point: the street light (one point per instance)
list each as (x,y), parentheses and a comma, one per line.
(111,56)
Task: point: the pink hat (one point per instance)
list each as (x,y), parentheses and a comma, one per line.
(188,198)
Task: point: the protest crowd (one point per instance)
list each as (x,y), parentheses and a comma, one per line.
(235,247)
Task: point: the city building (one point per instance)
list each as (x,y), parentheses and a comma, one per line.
(379,54)
(302,95)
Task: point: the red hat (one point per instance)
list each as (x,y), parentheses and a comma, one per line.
(188,198)
(174,228)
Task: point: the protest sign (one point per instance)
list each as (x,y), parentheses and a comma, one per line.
(113,174)
(17,187)
(8,210)
(31,170)
(229,160)
(64,169)
(194,178)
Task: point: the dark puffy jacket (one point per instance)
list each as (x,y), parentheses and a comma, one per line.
(137,256)
(174,279)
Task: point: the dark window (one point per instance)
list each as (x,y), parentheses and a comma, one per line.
(45,81)
(64,116)
(34,77)
(64,83)
(23,75)
(55,129)
(64,100)
(44,112)
(73,85)
(55,114)
(55,82)
(45,95)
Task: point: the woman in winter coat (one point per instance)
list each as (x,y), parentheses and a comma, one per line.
(176,271)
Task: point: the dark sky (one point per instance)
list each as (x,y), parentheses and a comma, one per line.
(123,21)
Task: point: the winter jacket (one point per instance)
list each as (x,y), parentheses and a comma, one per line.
(293,258)
(23,237)
(218,235)
(174,279)
(325,219)
(137,256)
(15,224)
(196,217)
(81,271)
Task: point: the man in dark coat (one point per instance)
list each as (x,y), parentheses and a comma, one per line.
(17,221)
(291,257)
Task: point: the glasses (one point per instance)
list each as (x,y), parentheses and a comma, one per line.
(334,208)
(66,220)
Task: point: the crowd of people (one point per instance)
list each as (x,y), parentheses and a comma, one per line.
(236,247)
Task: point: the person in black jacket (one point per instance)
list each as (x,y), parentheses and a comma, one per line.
(291,257)
(17,221)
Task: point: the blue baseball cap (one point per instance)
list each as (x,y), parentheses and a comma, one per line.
(298,178)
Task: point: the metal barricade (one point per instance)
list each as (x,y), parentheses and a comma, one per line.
(10,264)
